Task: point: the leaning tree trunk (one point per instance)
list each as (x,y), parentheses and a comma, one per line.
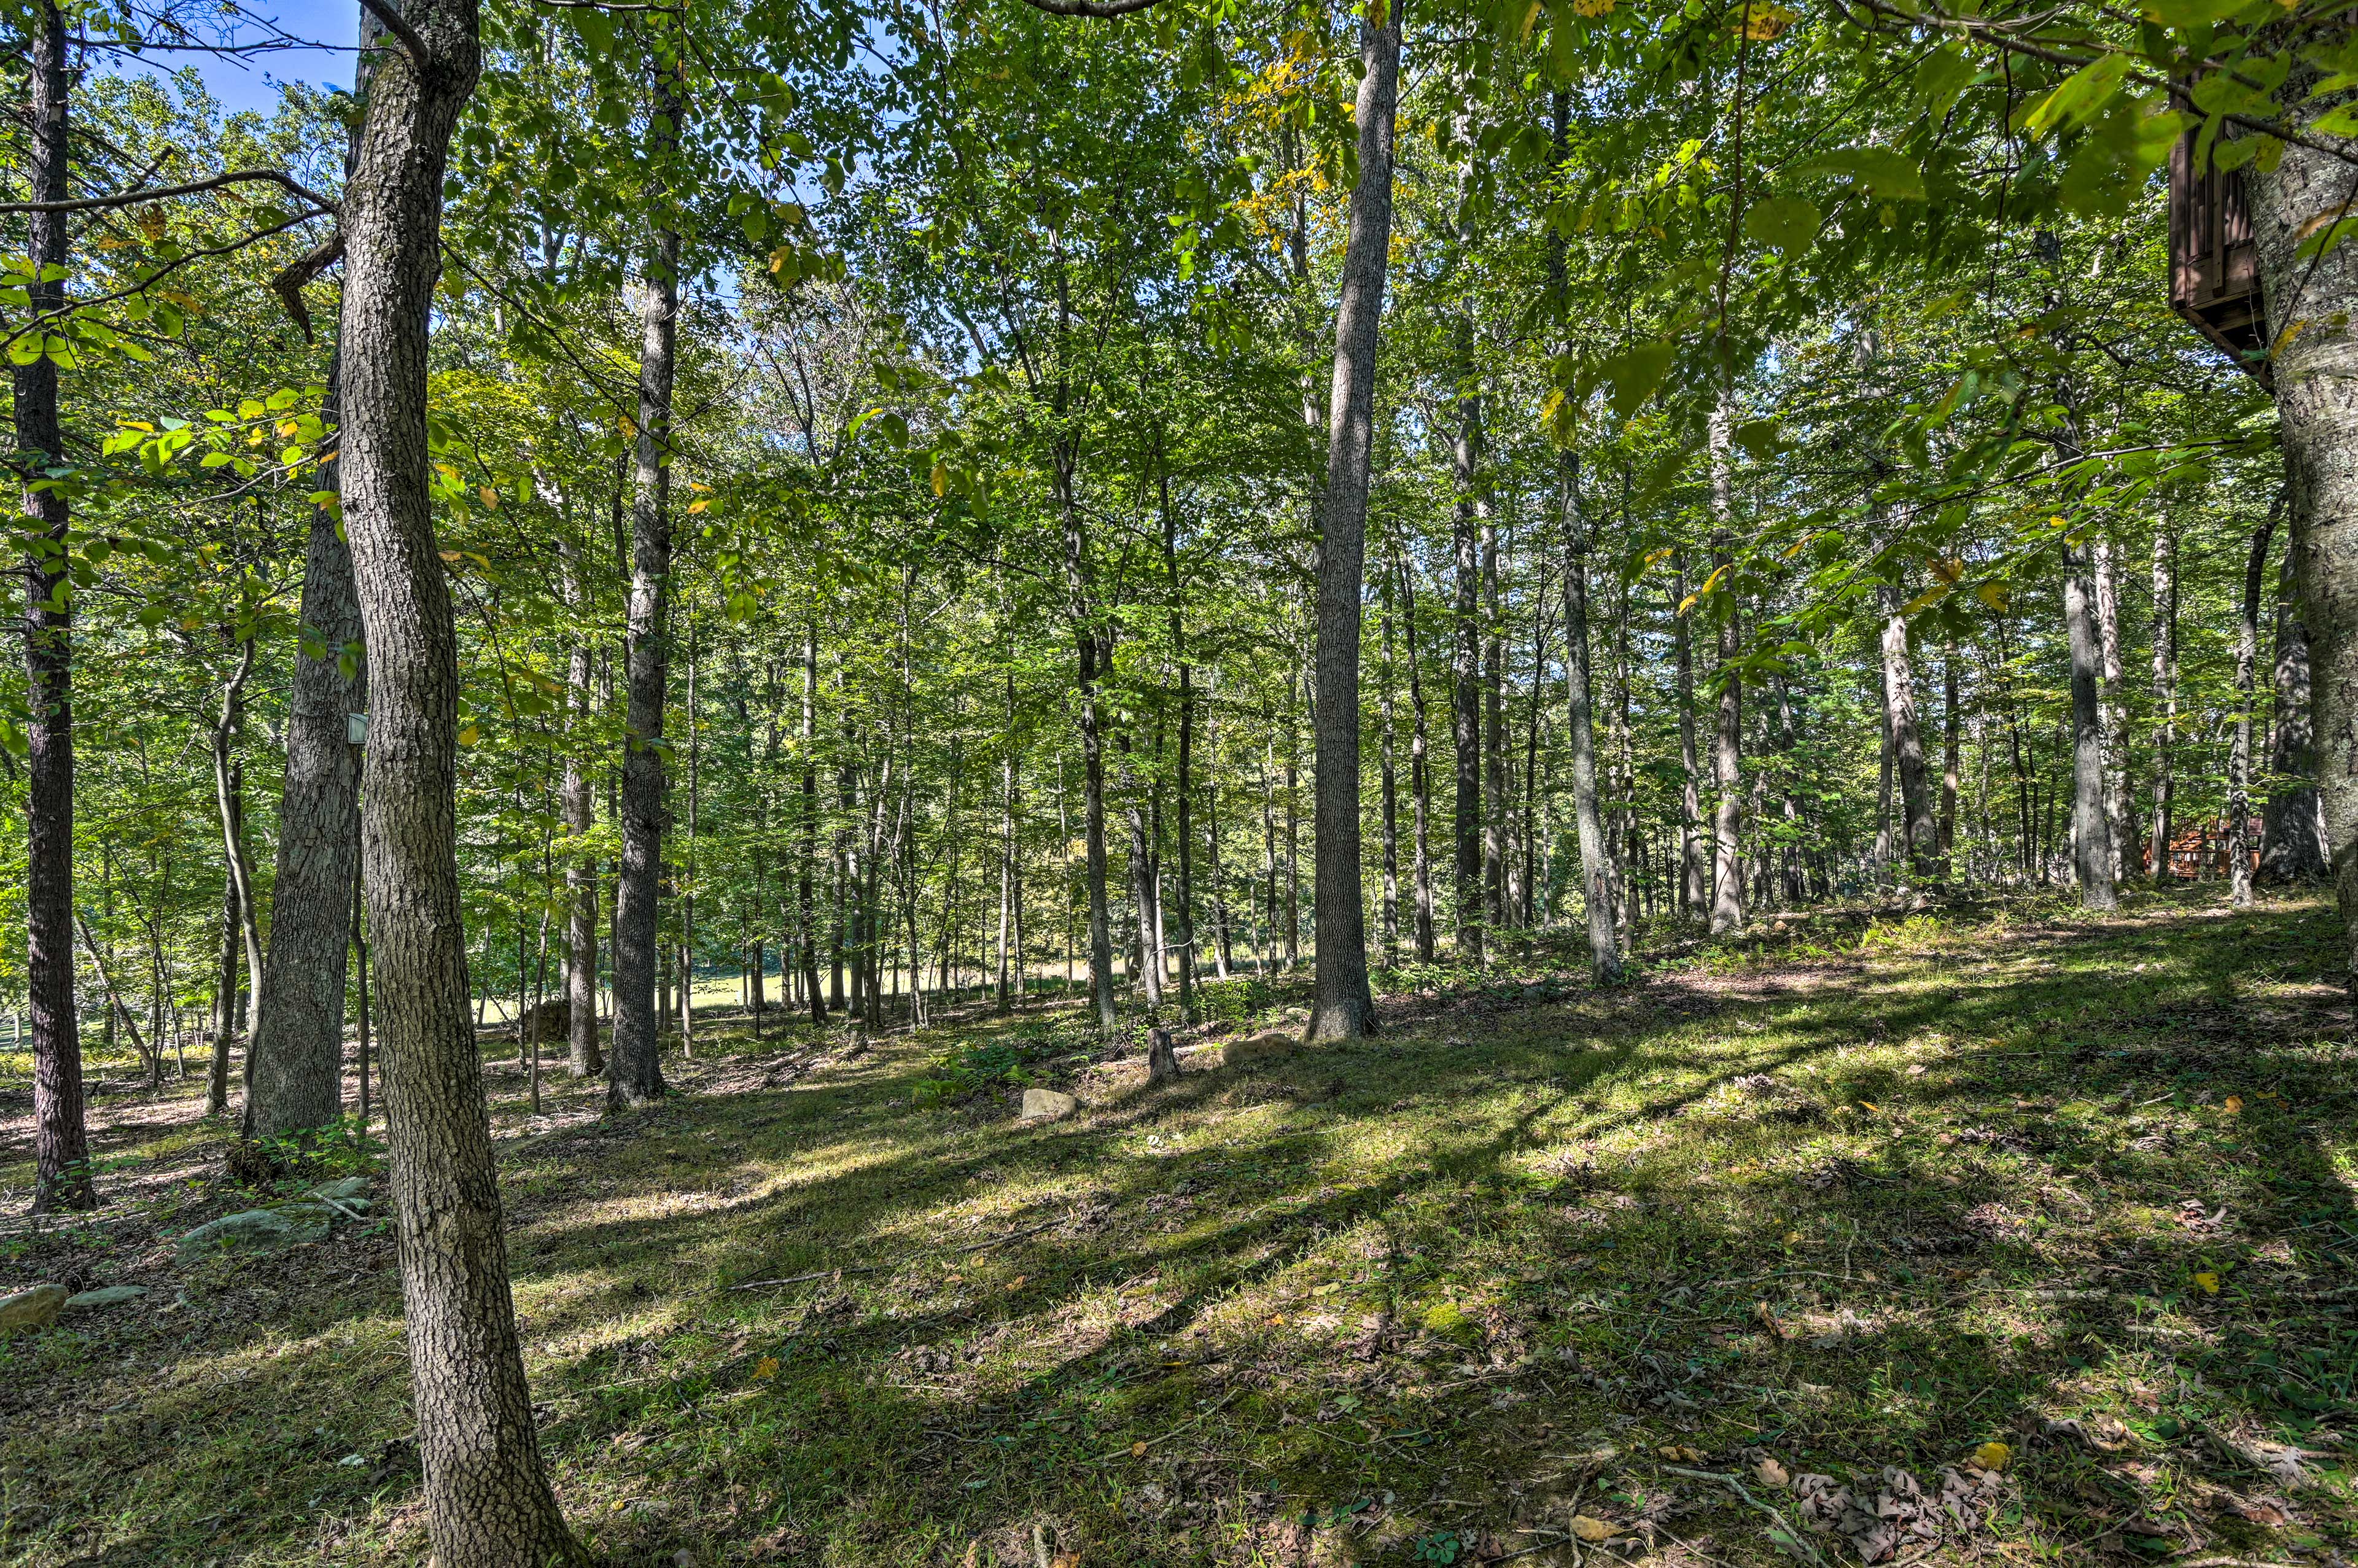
(61,1143)
(487,1498)
(634,1077)
(1904,730)
(2239,749)
(1727,913)
(2091,830)
(2292,847)
(1345,1009)
(295,1057)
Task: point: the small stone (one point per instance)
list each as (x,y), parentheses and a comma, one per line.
(35,1308)
(1264,1047)
(106,1296)
(1047,1104)
(262,1229)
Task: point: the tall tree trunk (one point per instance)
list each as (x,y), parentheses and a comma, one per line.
(1595,874)
(1148,975)
(2292,844)
(1694,863)
(1728,911)
(2120,816)
(805,910)
(60,1141)
(1085,632)
(487,1498)
(1006,848)
(1388,928)
(1495,908)
(1951,742)
(1907,740)
(2165,701)
(1224,959)
(2090,829)
(1344,1008)
(2239,752)
(295,1059)
(229,808)
(225,973)
(583,1056)
(1186,757)
(634,1077)
(1420,771)
(1465,668)
(1293,835)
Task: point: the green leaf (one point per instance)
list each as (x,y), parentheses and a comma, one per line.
(1886,172)
(2087,91)
(1786,224)
(1945,73)
(1637,372)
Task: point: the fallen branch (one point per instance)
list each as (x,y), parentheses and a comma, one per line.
(1785,1534)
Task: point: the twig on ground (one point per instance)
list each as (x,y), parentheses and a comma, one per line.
(1786,1536)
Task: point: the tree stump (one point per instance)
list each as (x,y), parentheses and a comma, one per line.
(1162,1061)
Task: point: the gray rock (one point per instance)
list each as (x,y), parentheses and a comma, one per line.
(1047,1104)
(106,1296)
(35,1308)
(350,1189)
(258,1229)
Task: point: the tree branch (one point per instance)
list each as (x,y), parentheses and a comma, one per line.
(131,198)
(389,19)
(1090,7)
(288,284)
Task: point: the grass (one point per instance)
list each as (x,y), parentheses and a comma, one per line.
(1850,1203)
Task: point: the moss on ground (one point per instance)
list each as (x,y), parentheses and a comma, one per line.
(1860,1199)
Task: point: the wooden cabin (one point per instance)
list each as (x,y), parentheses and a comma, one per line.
(2214,267)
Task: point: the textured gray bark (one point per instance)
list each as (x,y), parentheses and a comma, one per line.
(1727,894)
(61,1143)
(295,1072)
(2316,377)
(634,1076)
(487,1498)
(2292,840)
(1345,1009)
(1465,664)
(1596,866)
(1076,575)
(2120,814)
(1904,732)
(2091,850)
(1496,910)
(2165,702)
(228,803)
(1419,773)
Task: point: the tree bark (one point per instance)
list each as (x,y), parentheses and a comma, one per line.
(1905,732)
(2239,750)
(2119,813)
(60,1140)
(2090,829)
(634,1077)
(230,814)
(805,910)
(1186,757)
(1465,670)
(295,1058)
(1694,864)
(1092,719)
(487,1498)
(2292,842)
(1728,897)
(583,1057)
(2165,702)
(1388,928)
(1344,1008)
(1951,743)
(1595,872)
(1419,773)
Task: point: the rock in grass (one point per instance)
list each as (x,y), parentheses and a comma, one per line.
(106,1296)
(1267,1047)
(28,1310)
(1047,1104)
(256,1230)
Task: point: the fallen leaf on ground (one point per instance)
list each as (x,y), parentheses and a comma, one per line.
(1771,1474)
(1589,1529)
(1992,1456)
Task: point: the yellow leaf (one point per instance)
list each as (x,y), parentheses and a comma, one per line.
(1992,594)
(470,733)
(1591,8)
(1992,1456)
(1870,1105)
(1687,603)
(490,497)
(451,557)
(1530,19)
(1016,1284)
(1278,1321)
(1589,1529)
(2208,1282)
(767,1366)
(1948,571)
(695,506)
(2235,1105)
(941,480)
(1136,1449)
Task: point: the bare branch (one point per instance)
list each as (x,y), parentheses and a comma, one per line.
(389,19)
(159,193)
(288,284)
(1090,7)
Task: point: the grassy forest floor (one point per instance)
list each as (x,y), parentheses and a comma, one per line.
(1540,1263)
